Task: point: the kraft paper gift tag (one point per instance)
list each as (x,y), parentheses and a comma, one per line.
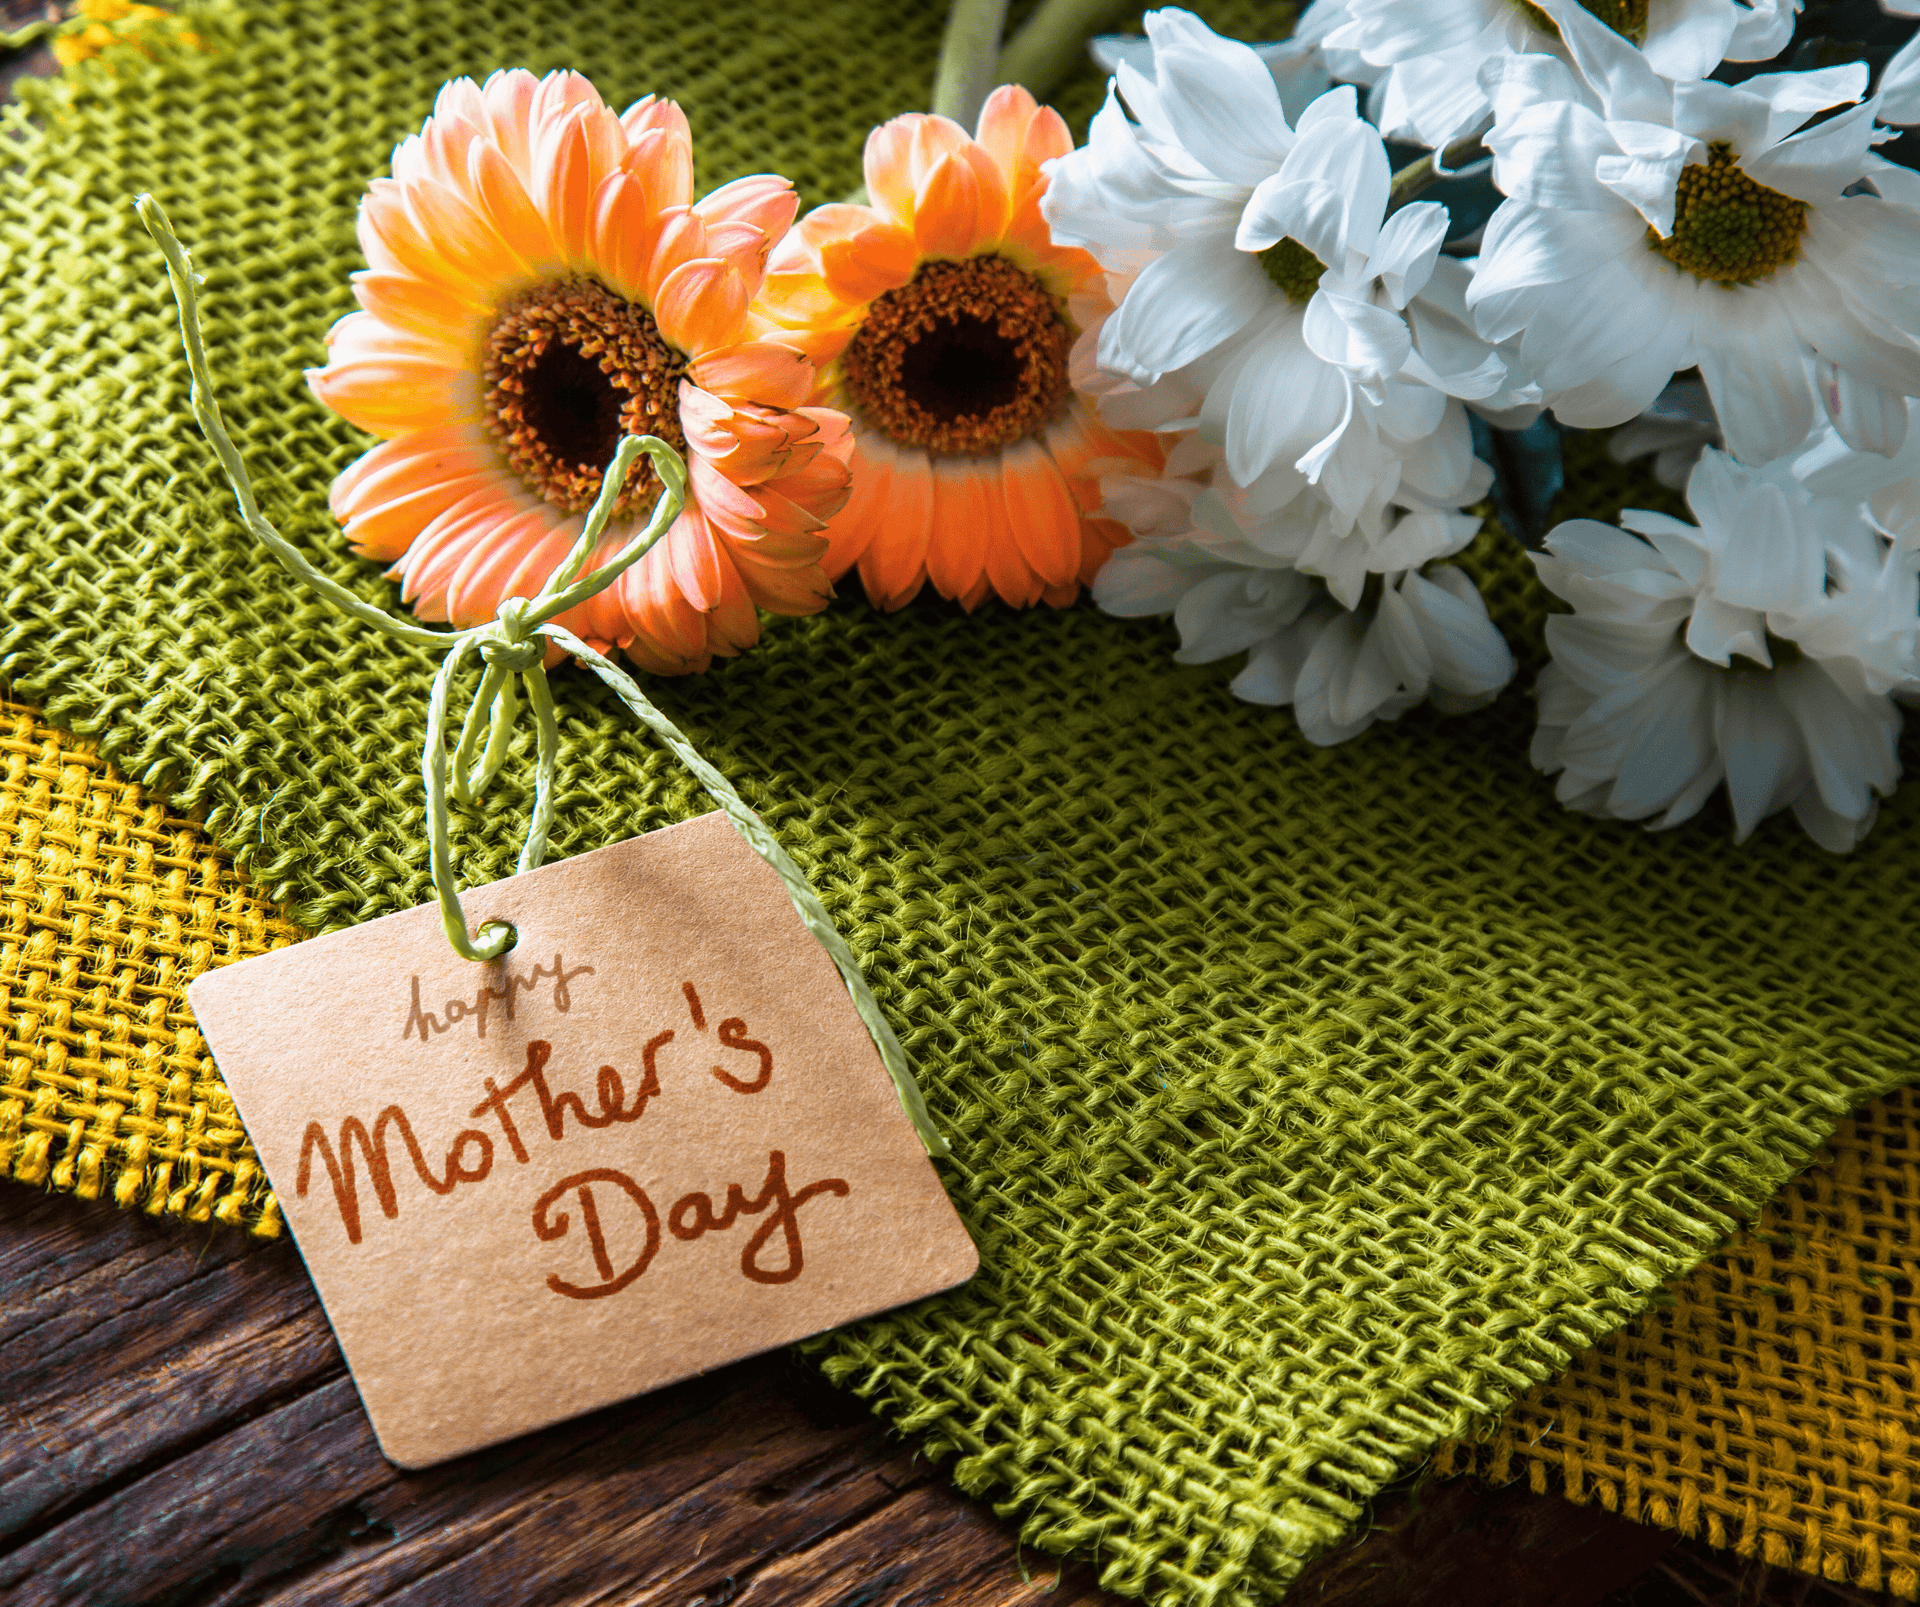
(652,1139)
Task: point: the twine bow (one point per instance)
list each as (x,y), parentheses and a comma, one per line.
(514,644)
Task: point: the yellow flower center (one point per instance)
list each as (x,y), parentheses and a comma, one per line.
(571,367)
(1628,18)
(965,357)
(1727,227)
(1294,268)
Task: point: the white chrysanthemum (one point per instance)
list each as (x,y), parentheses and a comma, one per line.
(1757,649)
(1266,295)
(1417,636)
(1403,524)
(1433,50)
(1302,65)
(1652,226)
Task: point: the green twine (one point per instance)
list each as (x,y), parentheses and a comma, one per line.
(515,643)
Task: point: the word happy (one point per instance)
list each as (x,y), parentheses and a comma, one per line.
(529,1103)
(424,1022)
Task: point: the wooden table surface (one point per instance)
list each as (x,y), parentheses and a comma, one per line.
(177,1427)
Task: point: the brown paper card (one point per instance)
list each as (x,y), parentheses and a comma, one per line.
(742,1177)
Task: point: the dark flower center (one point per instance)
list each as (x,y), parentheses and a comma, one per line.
(1727,227)
(1294,268)
(965,357)
(571,367)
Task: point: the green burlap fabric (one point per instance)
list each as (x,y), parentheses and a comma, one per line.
(1307,1106)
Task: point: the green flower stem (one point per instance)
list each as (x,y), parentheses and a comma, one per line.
(1053,42)
(1417,175)
(514,643)
(969,52)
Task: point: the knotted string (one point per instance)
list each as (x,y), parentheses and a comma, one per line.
(514,644)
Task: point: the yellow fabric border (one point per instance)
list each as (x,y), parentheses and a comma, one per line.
(112,907)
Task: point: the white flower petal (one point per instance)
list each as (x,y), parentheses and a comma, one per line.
(1900,85)
(1545,154)
(1765,759)
(1624,79)
(1689,38)
(1218,98)
(1816,164)
(1306,210)
(1647,172)
(1406,250)
(1369,342)
(1756,371)
(1134,582)
(1868,418)
(1182,306)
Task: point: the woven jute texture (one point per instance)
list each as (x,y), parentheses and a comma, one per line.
(1308,1106)
(1768,1404)
(111,906)
(1772,1403)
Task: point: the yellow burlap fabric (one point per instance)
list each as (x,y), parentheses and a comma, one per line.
(112,907)
(1772,1404)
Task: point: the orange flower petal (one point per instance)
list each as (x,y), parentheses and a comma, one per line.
(682,239)
(994,195)
(893,565)
(765,200)
(861,266)
(387,496)
(946,216)
(794,590)
(957,538)
(623,235)
(1002,128)
(669,634)
(701,306)
(429,565)
(1098,540)
(691,550)
(1007,570)
(815,482)
(757,370)
(743,245)
(507,97)
(656,114)
(393,243)
(853,529)
(733,623)
(1047,137)
(448,322)
(663,164)
(888,165)
(392,395)
(497,187)
(563,184)
(538,562)
(479,584)
(1041,513)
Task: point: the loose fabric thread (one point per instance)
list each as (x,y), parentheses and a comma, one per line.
(514,643)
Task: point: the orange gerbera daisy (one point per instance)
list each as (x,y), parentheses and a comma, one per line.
(942,317)
(539,283)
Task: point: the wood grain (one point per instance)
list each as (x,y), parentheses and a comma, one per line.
(177,1430)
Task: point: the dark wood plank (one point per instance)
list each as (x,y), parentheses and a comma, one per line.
(180,1429)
